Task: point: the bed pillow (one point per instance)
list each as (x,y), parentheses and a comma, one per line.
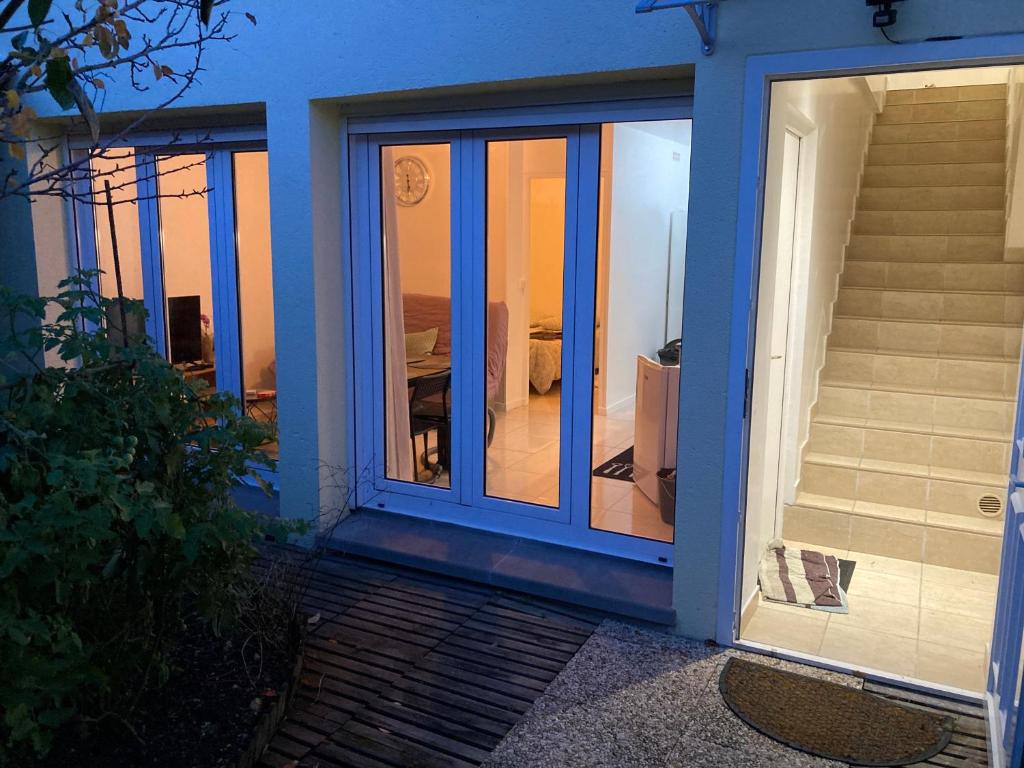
(421,343)
(549,323)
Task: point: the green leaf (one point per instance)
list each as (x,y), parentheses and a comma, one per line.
(18,41)
(37,10)
(58,75)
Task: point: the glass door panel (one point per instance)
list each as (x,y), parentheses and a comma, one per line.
(416,265)
(525,267)
(186,266)
(643,192)
(255,289)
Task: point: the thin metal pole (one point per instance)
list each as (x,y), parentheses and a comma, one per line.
(117,264)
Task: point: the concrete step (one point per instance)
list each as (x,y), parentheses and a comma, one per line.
(976,222)
(982,307)
(952,340)
(932,152)
(951,276)
(949,93)
(896,372)
(860,405)
(988,197)
(957,130)
(934,175)
(943,112)
(926,248)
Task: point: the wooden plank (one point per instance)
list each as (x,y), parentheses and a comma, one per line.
(467,714)
(342,756)
(300,734)
(502,641)
(447,724)
(481,668)
(402,620)
(332,644)
(496,608)
(496,622)
(916,697)
(483,681)
(273,759)
(471,691)
(454,699)
(523,636)
(328,654)
(426,738)
(459,655)
(491,649)
(421,608)
(580,618)
(389,748)
(357,681)
(285,746)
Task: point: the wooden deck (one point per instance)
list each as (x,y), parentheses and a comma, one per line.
(405,669)
(968,747)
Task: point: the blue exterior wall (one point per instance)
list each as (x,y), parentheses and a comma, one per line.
(306,62)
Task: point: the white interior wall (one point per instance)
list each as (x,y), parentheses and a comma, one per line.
(255,282)
(835,116)
(945,78)
(185,231)
(424,229)
(117,167)
(649,179)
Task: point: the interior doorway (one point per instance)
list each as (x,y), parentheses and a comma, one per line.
(886,363)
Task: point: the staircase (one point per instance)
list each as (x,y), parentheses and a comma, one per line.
(910,435)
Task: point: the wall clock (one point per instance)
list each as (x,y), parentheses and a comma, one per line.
(411,180)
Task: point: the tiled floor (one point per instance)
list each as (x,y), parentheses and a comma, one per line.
(906,618)
(523,462)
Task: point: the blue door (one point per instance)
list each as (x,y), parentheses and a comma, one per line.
(1005,667)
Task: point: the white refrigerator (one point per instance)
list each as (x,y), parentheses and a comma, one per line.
(654,430)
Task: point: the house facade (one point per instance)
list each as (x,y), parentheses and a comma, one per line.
(442,247)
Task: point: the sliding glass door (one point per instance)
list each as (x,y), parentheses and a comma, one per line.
(192,234)
(476,263)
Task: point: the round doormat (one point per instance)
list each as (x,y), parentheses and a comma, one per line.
(831,720)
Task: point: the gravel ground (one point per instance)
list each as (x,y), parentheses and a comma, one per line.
(637,697)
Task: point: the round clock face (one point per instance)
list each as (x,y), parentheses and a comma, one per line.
(411,180)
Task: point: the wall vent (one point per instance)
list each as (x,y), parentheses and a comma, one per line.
(990,505)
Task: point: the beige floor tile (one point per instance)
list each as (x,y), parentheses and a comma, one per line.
(792,633)
(976,603)
(955,577)
(837,551)
(955,667)
(877,585)
(881,616)
(954,629)
(894,566)
(869,649)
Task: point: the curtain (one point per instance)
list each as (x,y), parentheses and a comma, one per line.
(398,444)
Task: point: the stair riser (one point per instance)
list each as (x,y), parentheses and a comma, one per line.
(934,277)
(964,130)
(946,94)
(927,153)
(943,112)
(932,198)
(922,411)
(934,175)
(895,490)
(991,222)
(911,447)
(942,376)
(926,248)
(925,305)
(906,541)
(925,338)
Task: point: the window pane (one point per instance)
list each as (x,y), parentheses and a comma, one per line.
(185,250)
(117,167)
(416,223)
(525,264)
(255,288)
(641,241)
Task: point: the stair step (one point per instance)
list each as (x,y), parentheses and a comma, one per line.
(934,175)
(957,130)
(893,513)
(977,222)
(917,372)
(906,469)
(946,93)
(999,437)
(932,152)
(928,339)
(952,276)
(923,198)
(878,407)
(854,443)
(958,306)
(943,111)
(927,248)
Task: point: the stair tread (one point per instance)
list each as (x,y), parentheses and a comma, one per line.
(969,323)
(951,474)
(966,523)
(909,390)
(920,429)
(958,291)
(1007,359)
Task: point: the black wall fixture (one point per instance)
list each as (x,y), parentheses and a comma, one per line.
(885,14)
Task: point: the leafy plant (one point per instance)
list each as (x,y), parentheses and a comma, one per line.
(116,517)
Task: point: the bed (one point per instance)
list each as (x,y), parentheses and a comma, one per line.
(545,353)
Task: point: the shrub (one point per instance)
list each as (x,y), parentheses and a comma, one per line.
(116,516)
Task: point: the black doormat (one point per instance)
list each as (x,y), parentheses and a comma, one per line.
(831,720)
(618,468)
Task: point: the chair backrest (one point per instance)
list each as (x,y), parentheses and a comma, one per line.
(424,387)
